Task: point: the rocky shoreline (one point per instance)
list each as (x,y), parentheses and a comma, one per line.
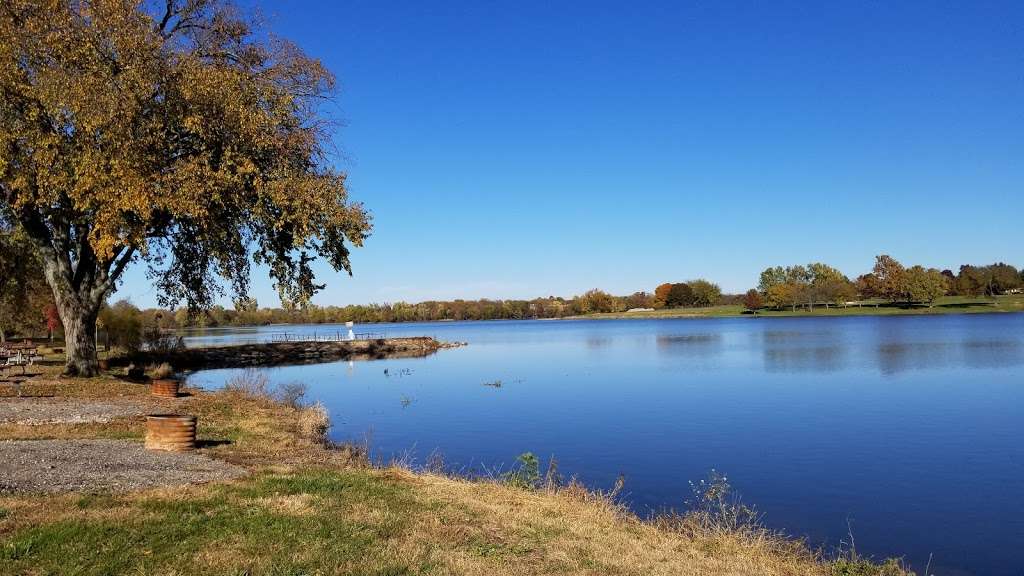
(291,353)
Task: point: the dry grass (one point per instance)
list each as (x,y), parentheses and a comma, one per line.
(493,528)
(314,423)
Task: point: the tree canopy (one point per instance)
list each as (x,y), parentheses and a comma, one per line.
(180,135)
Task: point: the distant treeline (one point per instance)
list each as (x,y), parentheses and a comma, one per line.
(788,287)
(821,284)
(248,313)
(780,287)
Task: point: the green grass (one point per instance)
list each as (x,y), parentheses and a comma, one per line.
(299,524)
(371,522)
(945,305)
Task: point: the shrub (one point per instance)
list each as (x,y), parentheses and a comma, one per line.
(161,371)
(255,384)
(314,423)
(717,507)
(250,382)
(291,394)
(526,474)
(122,325)
(157,340)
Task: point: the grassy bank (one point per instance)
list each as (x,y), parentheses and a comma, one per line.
(307,508)
(944,305)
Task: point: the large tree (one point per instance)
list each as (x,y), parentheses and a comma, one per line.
(925,285)
(173,132)
(679,294)
(827,284)
(890,277)
(705,293)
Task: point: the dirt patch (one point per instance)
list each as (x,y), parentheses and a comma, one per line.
(39,411)
(100,465)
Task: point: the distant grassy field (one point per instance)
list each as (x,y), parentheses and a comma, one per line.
(945,305)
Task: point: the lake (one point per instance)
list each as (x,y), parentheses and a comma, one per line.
(904,430)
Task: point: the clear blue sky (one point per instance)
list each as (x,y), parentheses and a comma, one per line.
(521,149)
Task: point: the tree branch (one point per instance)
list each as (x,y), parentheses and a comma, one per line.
(168,14)
(115,268)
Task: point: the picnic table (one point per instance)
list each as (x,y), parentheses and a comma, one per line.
(18,354)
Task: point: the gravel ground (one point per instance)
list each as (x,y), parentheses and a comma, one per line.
(101,465)
(36,411)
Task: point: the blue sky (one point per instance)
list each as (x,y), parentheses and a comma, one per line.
(521,149)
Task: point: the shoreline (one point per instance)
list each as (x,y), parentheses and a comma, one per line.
(295,490)
(267,354)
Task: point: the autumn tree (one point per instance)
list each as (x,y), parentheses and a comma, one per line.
(785,286)
(868,287)
(638,300)
(826,284)
(1004,277)
(771,285)
(179,135)
(681,294)
(592,301)
(950,281)
(661,294)
(925,285)
(52,318)
(973,280)
(705,293)
(752,301)
(890,278)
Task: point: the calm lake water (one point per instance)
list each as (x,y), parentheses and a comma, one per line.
(907,429)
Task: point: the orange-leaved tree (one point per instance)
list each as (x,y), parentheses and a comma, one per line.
(171,132)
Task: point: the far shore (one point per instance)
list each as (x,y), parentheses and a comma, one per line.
(946,305)
(1011,303)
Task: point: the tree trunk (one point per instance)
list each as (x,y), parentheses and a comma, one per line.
(79,338)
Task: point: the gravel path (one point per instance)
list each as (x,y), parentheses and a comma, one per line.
(99,465)
(38,411)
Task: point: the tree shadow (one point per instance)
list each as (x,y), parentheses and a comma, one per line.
(212,443)
(965,305)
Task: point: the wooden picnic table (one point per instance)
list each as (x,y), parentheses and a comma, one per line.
(15,354)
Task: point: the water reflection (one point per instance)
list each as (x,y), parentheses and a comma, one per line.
(801,350)
(804,359)
(896,357)
(701,345)
(775,337)
(993,353)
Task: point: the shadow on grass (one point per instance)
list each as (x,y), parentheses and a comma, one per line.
(213,443)
(966,305)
